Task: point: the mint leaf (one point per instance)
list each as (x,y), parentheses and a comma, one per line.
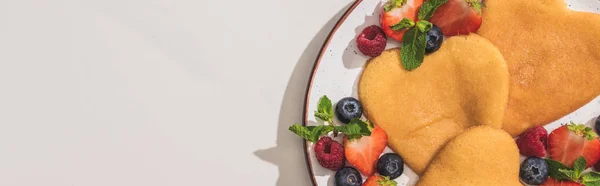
(412,52)
(323,116)
(477,5)
(428,8)
(320,130)
(403,24)
(355,129)
(424,26)
(553,170)
(591,177)
(570,174)
(324,109)
(311,133)
(579,166)
(303,132)
(591,183)
(391,4)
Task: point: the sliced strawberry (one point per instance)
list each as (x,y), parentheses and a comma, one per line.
(394,11)
(552,182)
(377,180)
(458,17)
(571,141)
(363,153)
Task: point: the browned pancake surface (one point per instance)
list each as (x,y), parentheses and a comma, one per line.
(553,57)
(482,155)
(464,83)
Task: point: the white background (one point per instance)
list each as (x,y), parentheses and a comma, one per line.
(156,92)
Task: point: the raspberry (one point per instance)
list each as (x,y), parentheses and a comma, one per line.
(371,41)
(330,153)
(533,142)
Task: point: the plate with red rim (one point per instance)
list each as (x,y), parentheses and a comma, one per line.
(337,69)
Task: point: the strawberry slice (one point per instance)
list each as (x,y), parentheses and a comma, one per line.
(394,11)
(363,153)
(458,17)
(571,141)
(552,182)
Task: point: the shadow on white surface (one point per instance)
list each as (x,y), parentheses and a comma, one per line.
(349,57)
(289,152)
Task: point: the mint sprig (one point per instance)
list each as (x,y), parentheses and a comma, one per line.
(413,48)
(311,133)
(414,40)
(559,171)
(355,129)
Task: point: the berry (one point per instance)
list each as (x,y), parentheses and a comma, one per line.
(458,17)
(348,108)
(330,153)
(534,171)
(571,141)
(394,11)
(364,152)
(552,182)
(371,41)
(391,165)
(347,176)
(533,142)
(377,180)
(435,37)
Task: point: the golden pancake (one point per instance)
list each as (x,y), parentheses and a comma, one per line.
(464,83)
(553,56)
(482,155)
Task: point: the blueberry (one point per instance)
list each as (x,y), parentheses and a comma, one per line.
(435,37)
(597,125)
(348,176)
(533,171)
(348,108)
(391,165)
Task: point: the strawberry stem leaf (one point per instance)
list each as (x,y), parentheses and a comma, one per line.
(582,130)
(391,4)
(386,181)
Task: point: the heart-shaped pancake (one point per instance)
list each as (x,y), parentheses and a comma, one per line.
(482,155)
(464,83)
(553,56)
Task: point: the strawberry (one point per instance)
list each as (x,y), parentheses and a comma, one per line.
(394,11)
(458,17)
(571,141)
(363,153)
(377,180)
(552,182)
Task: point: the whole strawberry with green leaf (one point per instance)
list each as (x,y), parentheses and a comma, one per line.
(571,141)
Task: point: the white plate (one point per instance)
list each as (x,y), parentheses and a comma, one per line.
(339,65)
